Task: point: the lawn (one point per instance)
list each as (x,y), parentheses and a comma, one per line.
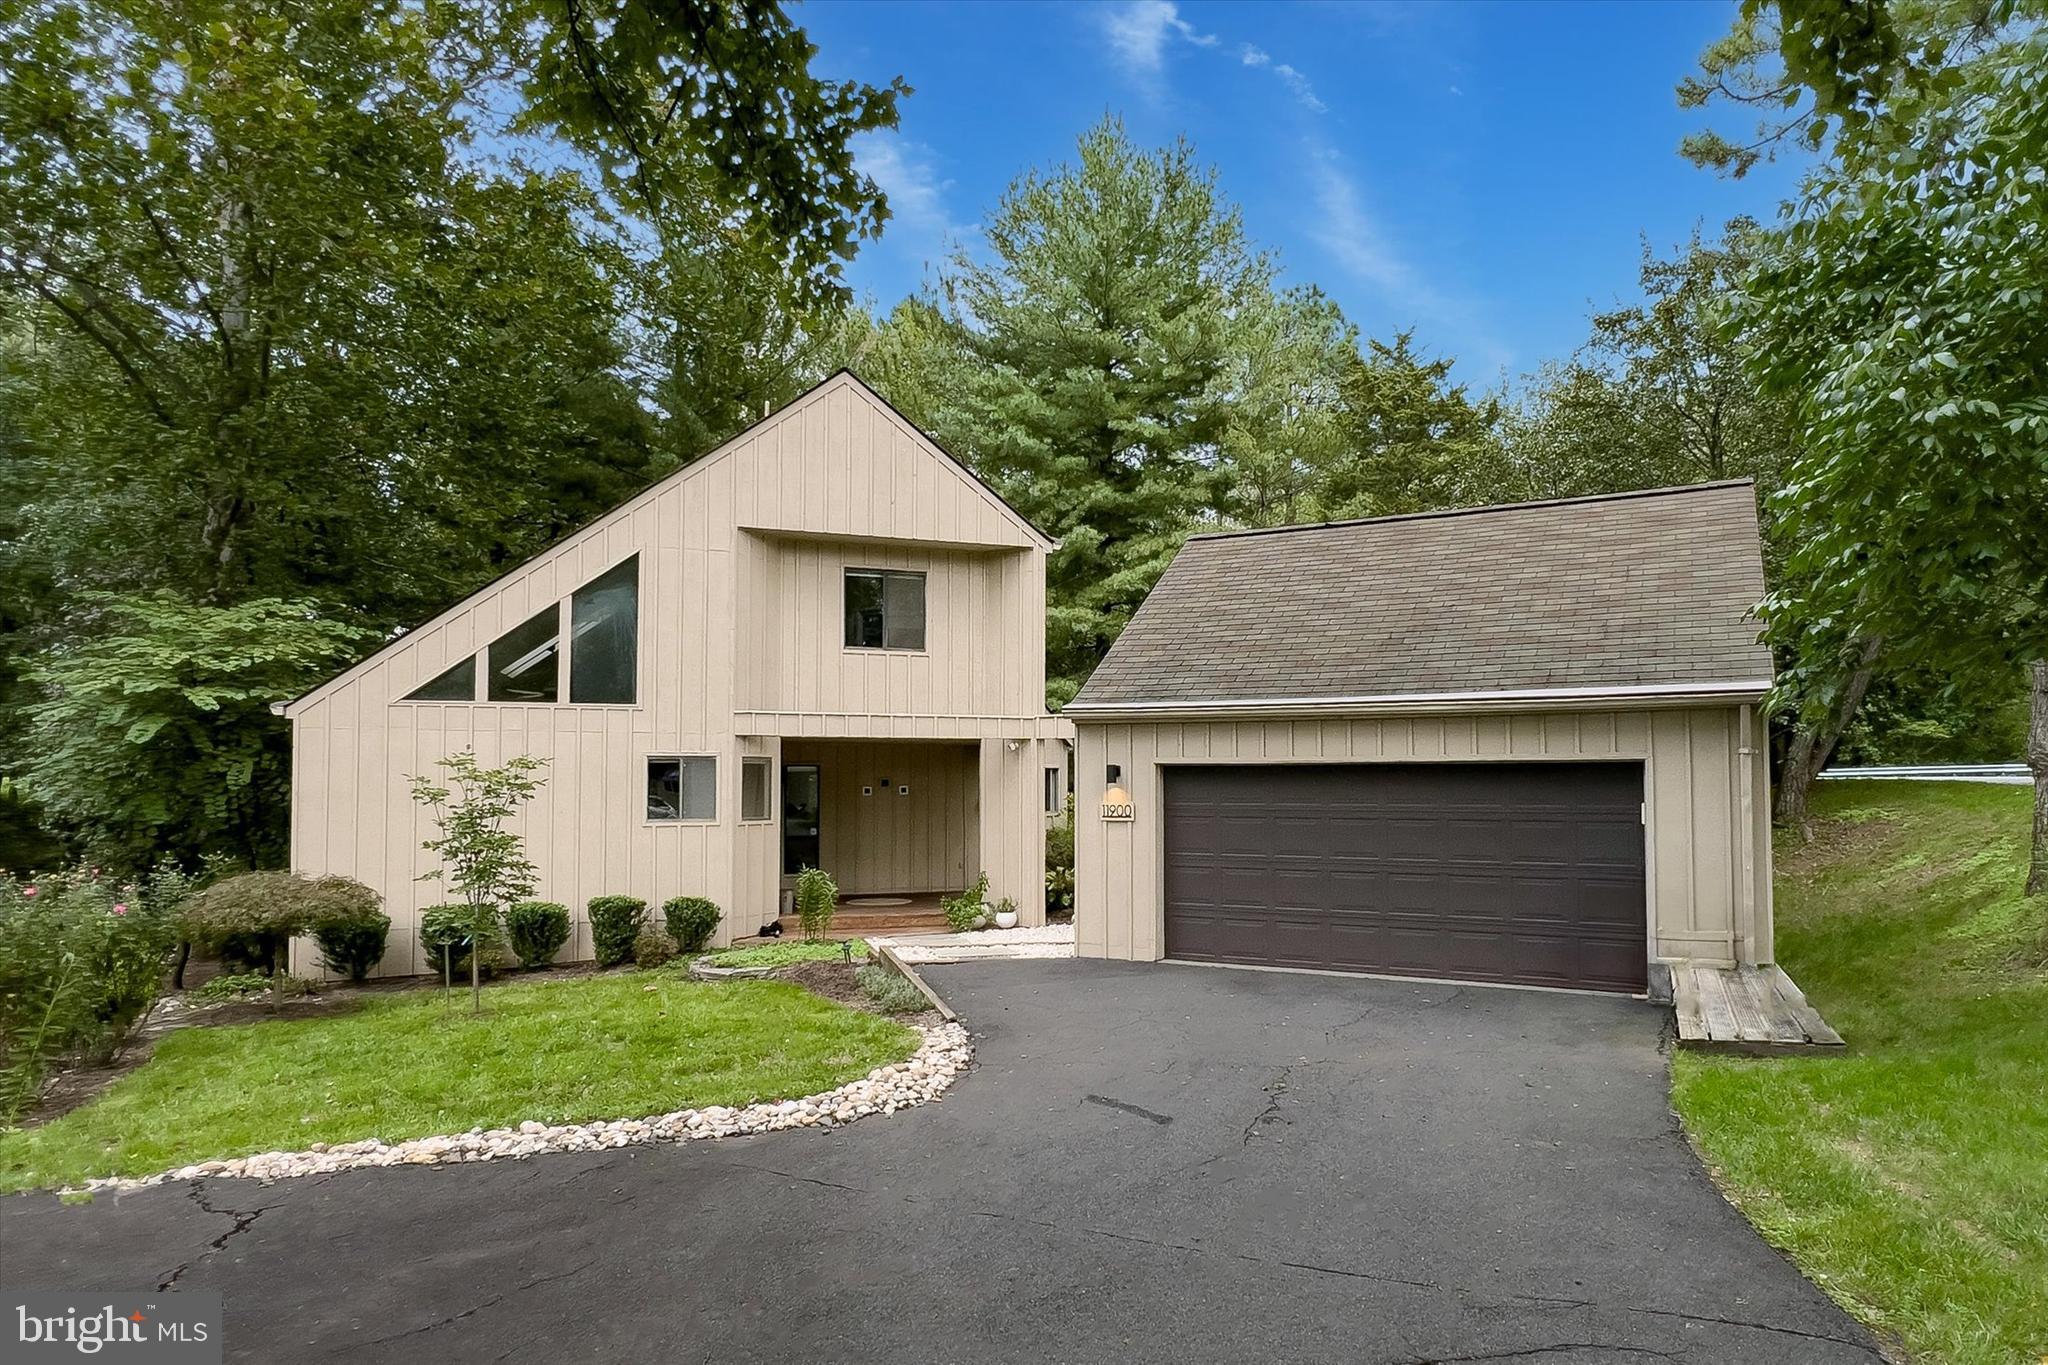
(787,954)
(407,1065)
(1910,1177)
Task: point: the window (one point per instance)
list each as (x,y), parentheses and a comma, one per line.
(604,629)
(525,660)
(884,609)
(457,684)
(1055,790)
(756,777)
(682,788)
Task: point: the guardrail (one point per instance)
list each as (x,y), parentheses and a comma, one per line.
(2016,773)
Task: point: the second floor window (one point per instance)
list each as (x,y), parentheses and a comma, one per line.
(884,609)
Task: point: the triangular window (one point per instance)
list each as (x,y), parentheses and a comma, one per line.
(457,684)
(604,636)
(526,661)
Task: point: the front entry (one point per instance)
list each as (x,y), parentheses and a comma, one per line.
(802,817)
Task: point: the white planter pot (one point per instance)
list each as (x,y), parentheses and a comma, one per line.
(1006,920)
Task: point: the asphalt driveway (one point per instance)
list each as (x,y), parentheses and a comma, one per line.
(1150,1163)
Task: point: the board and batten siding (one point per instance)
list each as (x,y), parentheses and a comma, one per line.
(1707,847)
(737,556)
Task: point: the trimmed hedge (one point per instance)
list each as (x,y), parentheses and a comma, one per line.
(353,947)
(691,920)
(537,930)
(615,921)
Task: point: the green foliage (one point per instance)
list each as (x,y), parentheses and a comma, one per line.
(615,923)
(817,900)
(557,1050)
(787,954)
(235,986)
(691,920)
(353,948)
(481,859)
(261,912)
(891,991)
(537,930)
(652,947)
(969,910)
(1059,862)
(81,960)
(1904,1176)
(154,734)
(447,932)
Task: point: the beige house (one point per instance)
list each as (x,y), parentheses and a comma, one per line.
(1514,744)
(821,644)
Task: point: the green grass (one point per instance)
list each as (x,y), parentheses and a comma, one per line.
(409,1065)
(1910,1177)
(783,954)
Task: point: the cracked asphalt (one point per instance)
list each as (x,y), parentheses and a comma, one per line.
(1149,1163)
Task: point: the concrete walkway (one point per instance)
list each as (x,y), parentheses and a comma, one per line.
(984,945)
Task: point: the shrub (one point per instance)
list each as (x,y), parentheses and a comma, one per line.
(242,985)
(1059,863)
(353,947)
(81,960)
(262,912)
(446,932)
(653,947)
(968,910)
(817,899)
(614,923)
(690,921)
(891,991)
(537,929)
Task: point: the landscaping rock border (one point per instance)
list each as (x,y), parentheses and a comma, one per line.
(919,1079)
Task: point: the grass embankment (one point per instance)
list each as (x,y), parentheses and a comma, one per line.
(624,1045)
(1909,1177)
(789,953)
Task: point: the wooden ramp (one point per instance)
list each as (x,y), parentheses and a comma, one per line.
(1745,1009)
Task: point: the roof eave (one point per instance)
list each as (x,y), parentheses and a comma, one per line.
(1637,696)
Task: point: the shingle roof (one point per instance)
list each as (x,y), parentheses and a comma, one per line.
(1650,589)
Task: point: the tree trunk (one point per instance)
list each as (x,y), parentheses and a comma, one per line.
(2037,759)
(1812,746)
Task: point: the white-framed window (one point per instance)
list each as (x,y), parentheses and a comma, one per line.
(884,609)
(1055,790)
(683,787)
(757,790)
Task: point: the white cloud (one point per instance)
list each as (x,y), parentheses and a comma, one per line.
(1294,80)
(920,222)
(1139,32)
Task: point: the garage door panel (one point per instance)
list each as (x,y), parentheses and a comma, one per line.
(1528,872)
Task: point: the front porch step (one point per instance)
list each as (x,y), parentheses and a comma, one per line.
(846,924)
(1745,1009)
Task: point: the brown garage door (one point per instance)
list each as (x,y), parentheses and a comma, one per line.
(1524,872)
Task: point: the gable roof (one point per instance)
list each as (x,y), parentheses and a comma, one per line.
(1627,595)
(838,381)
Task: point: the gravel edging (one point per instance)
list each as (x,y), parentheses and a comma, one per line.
(919,1079)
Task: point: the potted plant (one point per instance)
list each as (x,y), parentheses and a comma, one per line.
(1006,913)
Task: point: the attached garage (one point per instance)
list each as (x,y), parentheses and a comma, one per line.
(1515,745)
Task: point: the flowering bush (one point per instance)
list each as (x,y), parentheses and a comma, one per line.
(82,957)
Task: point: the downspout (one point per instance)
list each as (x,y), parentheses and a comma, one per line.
(1744,925)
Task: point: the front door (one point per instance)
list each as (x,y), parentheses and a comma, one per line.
(800,817)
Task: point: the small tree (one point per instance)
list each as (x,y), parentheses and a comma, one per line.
(817,897)
(265,911)
(482,861)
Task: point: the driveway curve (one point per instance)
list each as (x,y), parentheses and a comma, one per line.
(1149,1163)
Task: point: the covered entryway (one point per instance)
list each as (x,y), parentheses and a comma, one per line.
(1520,872)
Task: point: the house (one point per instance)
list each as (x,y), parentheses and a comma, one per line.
(821,644)
(1511,744)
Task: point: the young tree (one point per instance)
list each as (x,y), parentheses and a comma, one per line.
(482,861)
(1102,334)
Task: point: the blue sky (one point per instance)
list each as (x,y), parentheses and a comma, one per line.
(1483,173)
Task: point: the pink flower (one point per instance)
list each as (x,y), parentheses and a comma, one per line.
(28,892)
(121,909)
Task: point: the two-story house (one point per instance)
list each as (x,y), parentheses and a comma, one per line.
(821,644)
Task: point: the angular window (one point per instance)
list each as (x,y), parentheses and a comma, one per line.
(884,609)
(682,788)
(604,633)
(756,774)
(525,661)
(457,684)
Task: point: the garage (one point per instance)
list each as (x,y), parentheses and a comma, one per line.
(1531,873)
(1520,745)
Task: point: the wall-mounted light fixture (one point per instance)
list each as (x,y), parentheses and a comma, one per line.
(1116,802)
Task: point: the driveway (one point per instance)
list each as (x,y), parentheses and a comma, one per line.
(1150,1163)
